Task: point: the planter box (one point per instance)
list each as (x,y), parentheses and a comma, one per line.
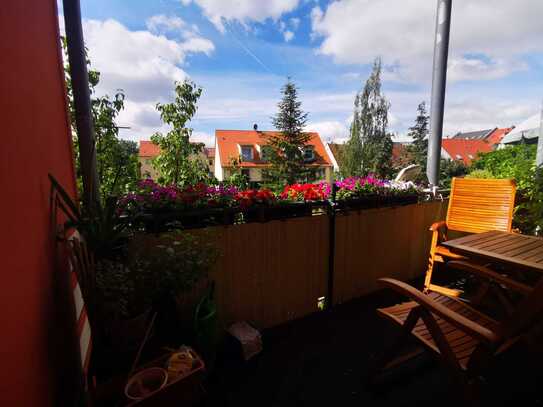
(376,201)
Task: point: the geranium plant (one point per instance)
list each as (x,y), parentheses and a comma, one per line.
(306,192)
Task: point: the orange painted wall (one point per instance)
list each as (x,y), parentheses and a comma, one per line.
(36,338)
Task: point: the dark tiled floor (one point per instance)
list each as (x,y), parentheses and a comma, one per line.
(322,361)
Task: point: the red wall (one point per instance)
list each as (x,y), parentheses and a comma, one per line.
(36,338)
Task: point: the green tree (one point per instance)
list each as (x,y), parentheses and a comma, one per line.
(352,154)
(517,162)
(369,149)
(419,134)
(449,169)
(286,152)
(116,159)
(180,161)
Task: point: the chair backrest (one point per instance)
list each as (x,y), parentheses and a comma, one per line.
(481,205)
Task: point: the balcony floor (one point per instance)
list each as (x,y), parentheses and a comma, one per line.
(322,360)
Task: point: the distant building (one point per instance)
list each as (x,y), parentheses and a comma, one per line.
(336,151)
(492,136)
(250,147)
(466,146)
(526,132)
(464,150)
(148,150)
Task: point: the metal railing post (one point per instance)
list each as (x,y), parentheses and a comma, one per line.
(439,79)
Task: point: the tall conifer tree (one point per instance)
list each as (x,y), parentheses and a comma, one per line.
(286,147)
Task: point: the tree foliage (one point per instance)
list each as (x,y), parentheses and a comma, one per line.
(518,162)
(369,149)
(419,134)
(286,153)
(180,161)
(116,159)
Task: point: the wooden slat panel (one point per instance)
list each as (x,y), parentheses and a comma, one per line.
(481,205)
(270,273)
(521,251)
(384,242)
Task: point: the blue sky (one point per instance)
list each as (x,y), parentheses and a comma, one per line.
(241,51)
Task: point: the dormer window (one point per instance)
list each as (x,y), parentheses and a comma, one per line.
(309,153)
(247,153)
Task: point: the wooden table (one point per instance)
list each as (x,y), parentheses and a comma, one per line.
(517,251)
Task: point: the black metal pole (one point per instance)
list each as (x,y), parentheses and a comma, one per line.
(331,246)
(439,80)
(82,102)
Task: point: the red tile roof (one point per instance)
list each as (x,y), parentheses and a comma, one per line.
(398,149)
(496,136)
(465,150)
(148,149)
(228,141)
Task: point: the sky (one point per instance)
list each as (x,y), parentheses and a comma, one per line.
(242,51)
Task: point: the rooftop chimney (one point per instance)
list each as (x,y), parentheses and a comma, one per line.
(255,126)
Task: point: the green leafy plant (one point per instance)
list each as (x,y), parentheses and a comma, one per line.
(116,159)
(102,228)
(171,263)
(450,169)
(517,162)
(179,162)
(121,291)
(482,174)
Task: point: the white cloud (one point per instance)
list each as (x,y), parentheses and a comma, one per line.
(242,11)
(161,23)
(478,69)
(468,114)
(288,35)
(203,137)
(142,63)
(330,131)
(486,38)
(294,22)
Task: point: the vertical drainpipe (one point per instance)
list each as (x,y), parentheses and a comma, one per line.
(439,79)
(82,102)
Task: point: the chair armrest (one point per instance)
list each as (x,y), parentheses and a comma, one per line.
(491,275)
(466,325)
(438,225)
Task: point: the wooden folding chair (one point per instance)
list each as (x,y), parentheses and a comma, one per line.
(475,206)
(463,339)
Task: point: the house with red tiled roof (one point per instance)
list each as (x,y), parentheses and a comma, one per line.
(463,149)
(466,146)
(148,150)
(250,146)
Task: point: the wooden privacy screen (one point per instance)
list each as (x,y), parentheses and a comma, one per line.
(270,273)
(384,242)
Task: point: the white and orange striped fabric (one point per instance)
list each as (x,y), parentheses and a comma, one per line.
(82,321)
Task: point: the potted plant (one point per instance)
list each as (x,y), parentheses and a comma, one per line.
(123,304)
(171,265)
